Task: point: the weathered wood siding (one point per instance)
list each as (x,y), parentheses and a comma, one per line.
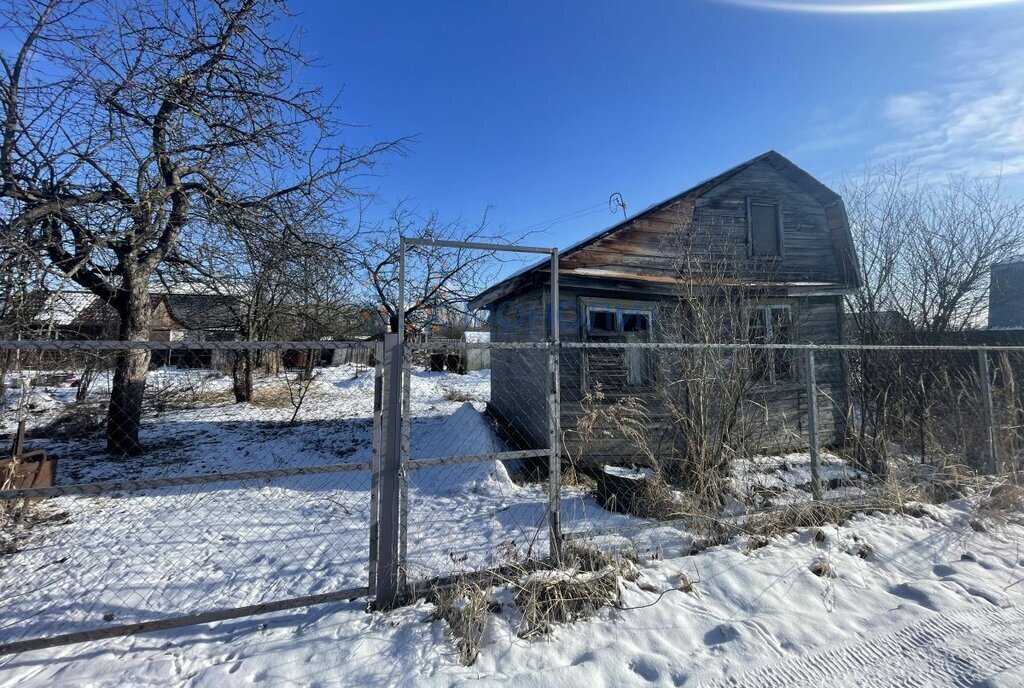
(774,417)
(808,254)
(707,235)
(518,390)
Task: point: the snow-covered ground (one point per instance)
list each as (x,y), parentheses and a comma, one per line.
(898,583)
(931,601)
(87,562)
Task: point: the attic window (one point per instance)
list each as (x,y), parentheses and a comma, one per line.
(764,228)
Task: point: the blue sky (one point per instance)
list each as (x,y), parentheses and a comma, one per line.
(541,109)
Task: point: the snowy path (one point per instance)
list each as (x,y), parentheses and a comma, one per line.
(970,648)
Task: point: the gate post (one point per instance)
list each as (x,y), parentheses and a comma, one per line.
(554,459)
(384,560)
(812,424)
(375,463)
(554,422)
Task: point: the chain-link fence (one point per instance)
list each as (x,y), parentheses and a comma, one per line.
(476,450)
(253,477)
(686,442)
(235,476)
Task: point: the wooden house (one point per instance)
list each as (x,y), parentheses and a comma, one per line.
(71,315)
(765,243)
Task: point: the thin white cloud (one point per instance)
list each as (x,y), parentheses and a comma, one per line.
(909,110)
(973,122)
(854,7)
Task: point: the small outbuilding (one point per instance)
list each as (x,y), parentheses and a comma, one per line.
(759,253)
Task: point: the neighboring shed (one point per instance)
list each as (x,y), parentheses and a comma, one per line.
(176,317)
(1006,295)
(476,358)
(202,317)
(765,233)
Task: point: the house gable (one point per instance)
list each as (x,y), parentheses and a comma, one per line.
(650,248)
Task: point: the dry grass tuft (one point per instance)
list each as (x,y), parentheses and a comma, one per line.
(451,393)
(587,582)
(823,568)
(212,397)
(580,557)
(798,516)
(464,608)
(547,598)
(272,396)
(1003,501)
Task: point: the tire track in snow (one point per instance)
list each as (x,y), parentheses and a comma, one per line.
(957,649)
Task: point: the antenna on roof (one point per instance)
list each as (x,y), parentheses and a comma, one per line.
(616,199)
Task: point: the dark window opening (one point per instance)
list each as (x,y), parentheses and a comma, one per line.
(765,229)
(619,369)
(771,325)
(601,321)
(635,322)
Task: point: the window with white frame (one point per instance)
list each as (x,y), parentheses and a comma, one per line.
(618,368)
(771,324)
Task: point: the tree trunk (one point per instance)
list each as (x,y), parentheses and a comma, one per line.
(124,415)
(241,376)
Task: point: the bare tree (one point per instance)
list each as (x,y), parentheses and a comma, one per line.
(277,280)
(925,248)
(439,281)
(129,123)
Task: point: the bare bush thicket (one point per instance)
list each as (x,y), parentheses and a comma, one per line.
(925,250)
(707,390)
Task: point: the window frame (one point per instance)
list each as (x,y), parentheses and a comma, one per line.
(764,311)
(619,307)
(780,243)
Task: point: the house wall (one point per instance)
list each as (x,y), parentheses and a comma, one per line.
(1006,296)
(808,254)
(704,235)
(774,417)
(163,327)
(518,376)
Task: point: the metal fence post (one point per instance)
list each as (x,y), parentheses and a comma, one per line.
(991,454)
(376,463)
(812,424)
(555,459)
(388,460)
(405,452)
(554,423)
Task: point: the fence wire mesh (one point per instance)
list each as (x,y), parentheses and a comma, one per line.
(242,474)
(668,447)
(477,444)
(240,477)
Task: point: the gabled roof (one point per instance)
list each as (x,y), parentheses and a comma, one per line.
(204,311)
(829,199)
(81,308)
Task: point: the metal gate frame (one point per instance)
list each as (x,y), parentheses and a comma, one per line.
(390,507)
